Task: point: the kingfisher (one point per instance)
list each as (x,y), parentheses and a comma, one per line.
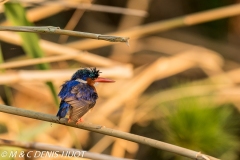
(78,95)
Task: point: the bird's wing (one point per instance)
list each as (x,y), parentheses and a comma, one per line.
(65,92)
(83,100)
(79,107)
(66,89)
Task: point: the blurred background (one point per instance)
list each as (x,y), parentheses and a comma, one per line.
(179,84)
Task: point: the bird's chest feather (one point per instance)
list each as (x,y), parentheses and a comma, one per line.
(84,91)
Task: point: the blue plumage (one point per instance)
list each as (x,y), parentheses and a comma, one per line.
(86,73)
(63,109)
(66,88)
(64,93)
(78,96)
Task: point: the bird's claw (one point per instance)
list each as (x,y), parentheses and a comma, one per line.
(79,120)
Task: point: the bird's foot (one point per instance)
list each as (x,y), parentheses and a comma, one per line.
(69,120)
(79,120)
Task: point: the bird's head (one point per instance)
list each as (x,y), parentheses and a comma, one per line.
(90,75)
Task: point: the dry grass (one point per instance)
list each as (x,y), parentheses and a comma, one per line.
(118,106)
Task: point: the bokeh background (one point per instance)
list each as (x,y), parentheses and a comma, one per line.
(180,85)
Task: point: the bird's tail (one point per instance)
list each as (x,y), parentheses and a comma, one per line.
(63,109)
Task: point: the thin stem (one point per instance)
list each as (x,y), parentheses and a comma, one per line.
(51,48)
(72,23)
(160,26)
(57,30)
(60,74)
(107,131)
(110,9)
(34,61)
(57,149)
(6,89)
(95,7)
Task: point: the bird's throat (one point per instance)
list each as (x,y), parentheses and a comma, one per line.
(89,81)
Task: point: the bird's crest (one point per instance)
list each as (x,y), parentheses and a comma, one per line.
(94,73)
(86,73)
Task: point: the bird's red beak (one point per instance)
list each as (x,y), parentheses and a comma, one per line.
(104,80)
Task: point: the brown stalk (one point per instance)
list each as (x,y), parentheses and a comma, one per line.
(104,8)
(107,131)
(161,68)
(57,75)
(42,12)
(128,22)
(58,149)
(217,85)
(34,61)
(57,30)
(71,24)
(54,48)
(151,28)
(125,123)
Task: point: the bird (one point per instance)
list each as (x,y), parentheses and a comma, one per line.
(78,95)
